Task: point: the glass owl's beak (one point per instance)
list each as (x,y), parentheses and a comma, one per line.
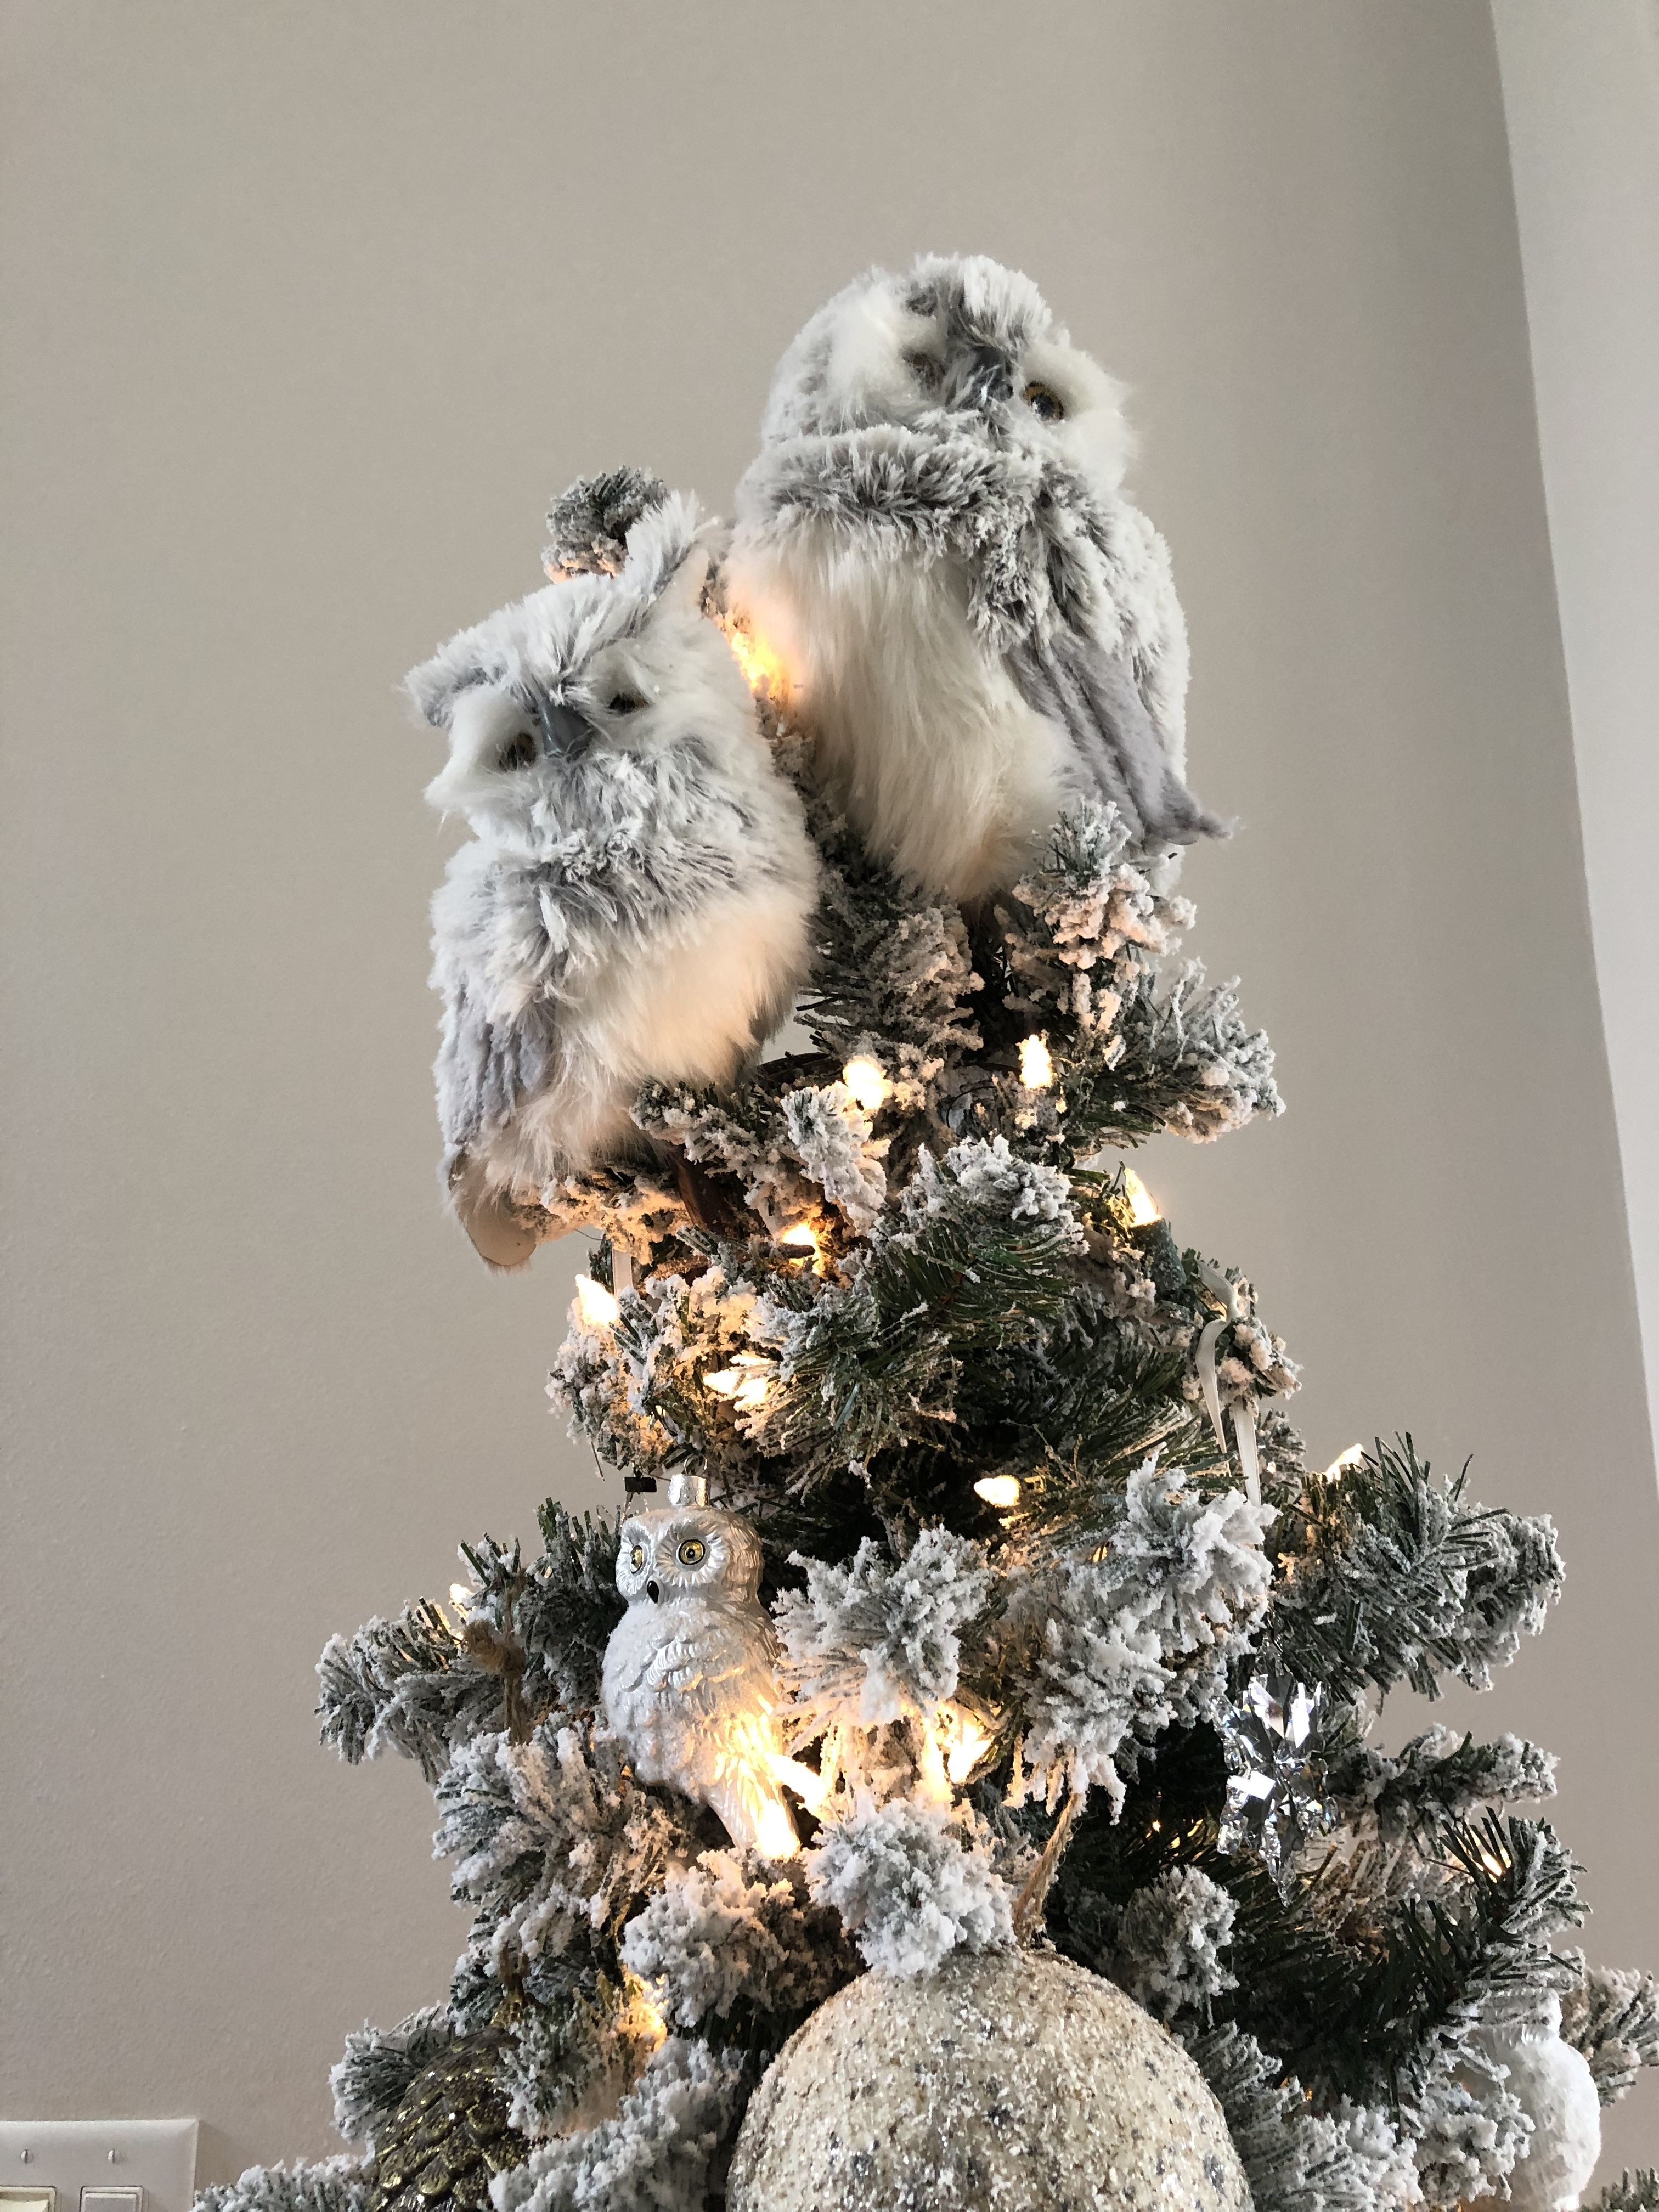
(653,1591)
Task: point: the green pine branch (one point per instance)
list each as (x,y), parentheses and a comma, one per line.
(1386,1576)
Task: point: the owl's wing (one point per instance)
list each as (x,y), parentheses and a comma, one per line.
(486,1067)
(1100,649)
(485,1070)
(1094,697)
(703,1665)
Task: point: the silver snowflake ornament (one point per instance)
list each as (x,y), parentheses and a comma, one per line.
(1273,1739)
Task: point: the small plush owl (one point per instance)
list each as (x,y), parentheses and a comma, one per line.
(979,629)
(689,1684)
(636,901)
(1557,2091)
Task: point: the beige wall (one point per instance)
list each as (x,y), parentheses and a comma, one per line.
(1581,98)
(306,309)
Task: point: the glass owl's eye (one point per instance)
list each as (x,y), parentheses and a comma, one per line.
(1044,402)
(693,1551)
(636,1558)
(624,702)
(518,751)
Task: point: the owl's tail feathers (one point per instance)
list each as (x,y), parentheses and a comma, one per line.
(504,1230)
(1177,817)
(1123,751)
(755,1811)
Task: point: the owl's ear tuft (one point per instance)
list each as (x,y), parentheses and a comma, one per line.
(663,543)
(686,587)
(437,685)
(870,374)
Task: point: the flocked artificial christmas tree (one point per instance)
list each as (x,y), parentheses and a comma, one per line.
(954,1776)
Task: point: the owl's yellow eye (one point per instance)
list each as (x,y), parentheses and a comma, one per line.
(693,1551)
(1044,402)
(636,1558)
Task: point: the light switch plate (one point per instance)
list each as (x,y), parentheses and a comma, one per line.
(156,2156)
(29,2199)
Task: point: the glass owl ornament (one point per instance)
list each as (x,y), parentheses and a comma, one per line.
(689,1683)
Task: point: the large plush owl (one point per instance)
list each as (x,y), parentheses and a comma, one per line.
(689,1686)
(636,901)
(978,628)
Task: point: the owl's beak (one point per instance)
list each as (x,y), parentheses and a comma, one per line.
(992,379)
(564,729)
(653,1591)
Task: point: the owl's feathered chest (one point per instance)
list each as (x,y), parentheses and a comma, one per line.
(982,636)
(920,734)
(686,1686)
(690,1657)
(654,926)
(632,846)
(1035,544)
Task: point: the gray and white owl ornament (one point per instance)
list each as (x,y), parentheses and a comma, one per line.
(978,629)
(635,903)
(689,1687)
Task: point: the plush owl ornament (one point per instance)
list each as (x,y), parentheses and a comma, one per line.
(1556,2090)
(636,901)
(689,1686)
(977,628)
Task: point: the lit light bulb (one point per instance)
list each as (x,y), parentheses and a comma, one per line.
(598,1308)
(754,1372)
(643,2017)
(868,1085)
(1354,1457)
(762,669)
(1143,1207)
(1037,1066)
(805,1239)
(998,1490)
(970,1747)
(745,1381)
(776,1839)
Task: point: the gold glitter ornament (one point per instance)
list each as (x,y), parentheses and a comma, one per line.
(448,2137)
(1014,2081)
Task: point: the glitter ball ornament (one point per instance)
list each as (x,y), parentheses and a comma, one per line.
(1015,2080)
(448,2137)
